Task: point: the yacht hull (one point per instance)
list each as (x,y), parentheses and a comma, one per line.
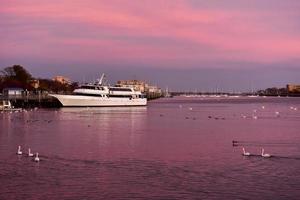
(94,101)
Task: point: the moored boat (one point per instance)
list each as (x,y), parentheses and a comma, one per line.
(99,94)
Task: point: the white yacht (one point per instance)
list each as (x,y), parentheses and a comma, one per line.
(100,94)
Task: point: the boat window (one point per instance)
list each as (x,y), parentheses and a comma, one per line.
(121,96)
(88,87)
(120,89)
(99,88)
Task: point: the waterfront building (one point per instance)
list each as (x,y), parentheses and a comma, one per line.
(62,80)
(12,91)
(154,89)
(135,84)
(151,91)
(293,89)
(154,92)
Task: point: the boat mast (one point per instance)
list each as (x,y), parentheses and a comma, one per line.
(101,80)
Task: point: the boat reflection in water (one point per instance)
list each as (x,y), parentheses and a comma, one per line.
(111,125)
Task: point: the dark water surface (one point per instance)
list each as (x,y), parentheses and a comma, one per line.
(178,148)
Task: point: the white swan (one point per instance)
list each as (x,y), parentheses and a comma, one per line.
(246,153)
(37,159)
(29,153)
(265,155)
(19,152)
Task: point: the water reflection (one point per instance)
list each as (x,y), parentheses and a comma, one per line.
(164,151)
(110,129)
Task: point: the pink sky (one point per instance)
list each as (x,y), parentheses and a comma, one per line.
(166,34)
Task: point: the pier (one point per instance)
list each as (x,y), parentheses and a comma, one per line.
(31,100)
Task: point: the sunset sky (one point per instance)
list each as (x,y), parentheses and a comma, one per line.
(186,45)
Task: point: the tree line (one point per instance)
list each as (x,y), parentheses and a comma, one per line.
(17,76)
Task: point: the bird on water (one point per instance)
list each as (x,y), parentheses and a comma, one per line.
(37,159)
(265,155)
(19,152)
(29,153)
(245,153)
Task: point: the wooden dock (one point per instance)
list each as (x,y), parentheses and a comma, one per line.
(32,100)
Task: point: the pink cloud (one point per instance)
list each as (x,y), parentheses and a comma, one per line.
(165,32)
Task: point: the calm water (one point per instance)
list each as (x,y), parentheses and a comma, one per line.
(178,148)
